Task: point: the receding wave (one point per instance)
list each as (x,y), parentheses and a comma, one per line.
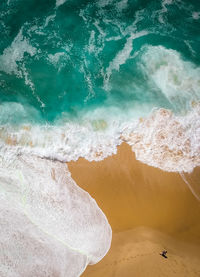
(42,209)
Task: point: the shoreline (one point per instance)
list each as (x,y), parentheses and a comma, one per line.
(134,195)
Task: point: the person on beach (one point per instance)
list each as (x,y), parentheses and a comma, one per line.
(164,252)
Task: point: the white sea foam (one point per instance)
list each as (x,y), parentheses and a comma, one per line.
(164,10)
(54,59)
(49,19)
(13,112)
(166,141)
(88,79)
(29,83)
(196,15)
(68,141)
(91,44)
(103,3)
(11,61)
(121,57)
(122,5)
(15,53)
(58,59)
(190,47)
(177,79)
(60,2)
(45,215)
(23,242)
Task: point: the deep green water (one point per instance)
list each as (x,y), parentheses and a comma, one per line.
(74,56)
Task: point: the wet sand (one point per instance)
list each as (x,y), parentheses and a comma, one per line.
(149,210)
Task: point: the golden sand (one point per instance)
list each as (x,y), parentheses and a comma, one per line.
(149,210)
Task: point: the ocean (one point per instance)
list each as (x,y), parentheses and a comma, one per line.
(78,78)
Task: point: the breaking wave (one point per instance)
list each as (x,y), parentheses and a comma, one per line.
(167,139)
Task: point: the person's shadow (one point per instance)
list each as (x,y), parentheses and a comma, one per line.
(163,254)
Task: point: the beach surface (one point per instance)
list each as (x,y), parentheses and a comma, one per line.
(149,211)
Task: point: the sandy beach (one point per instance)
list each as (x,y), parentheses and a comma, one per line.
(149,210)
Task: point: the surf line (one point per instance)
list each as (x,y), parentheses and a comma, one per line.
(21,179)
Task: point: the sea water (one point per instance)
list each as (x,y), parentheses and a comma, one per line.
(77,78)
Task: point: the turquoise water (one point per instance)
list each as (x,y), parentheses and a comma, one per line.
(79,77)
(74,56)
